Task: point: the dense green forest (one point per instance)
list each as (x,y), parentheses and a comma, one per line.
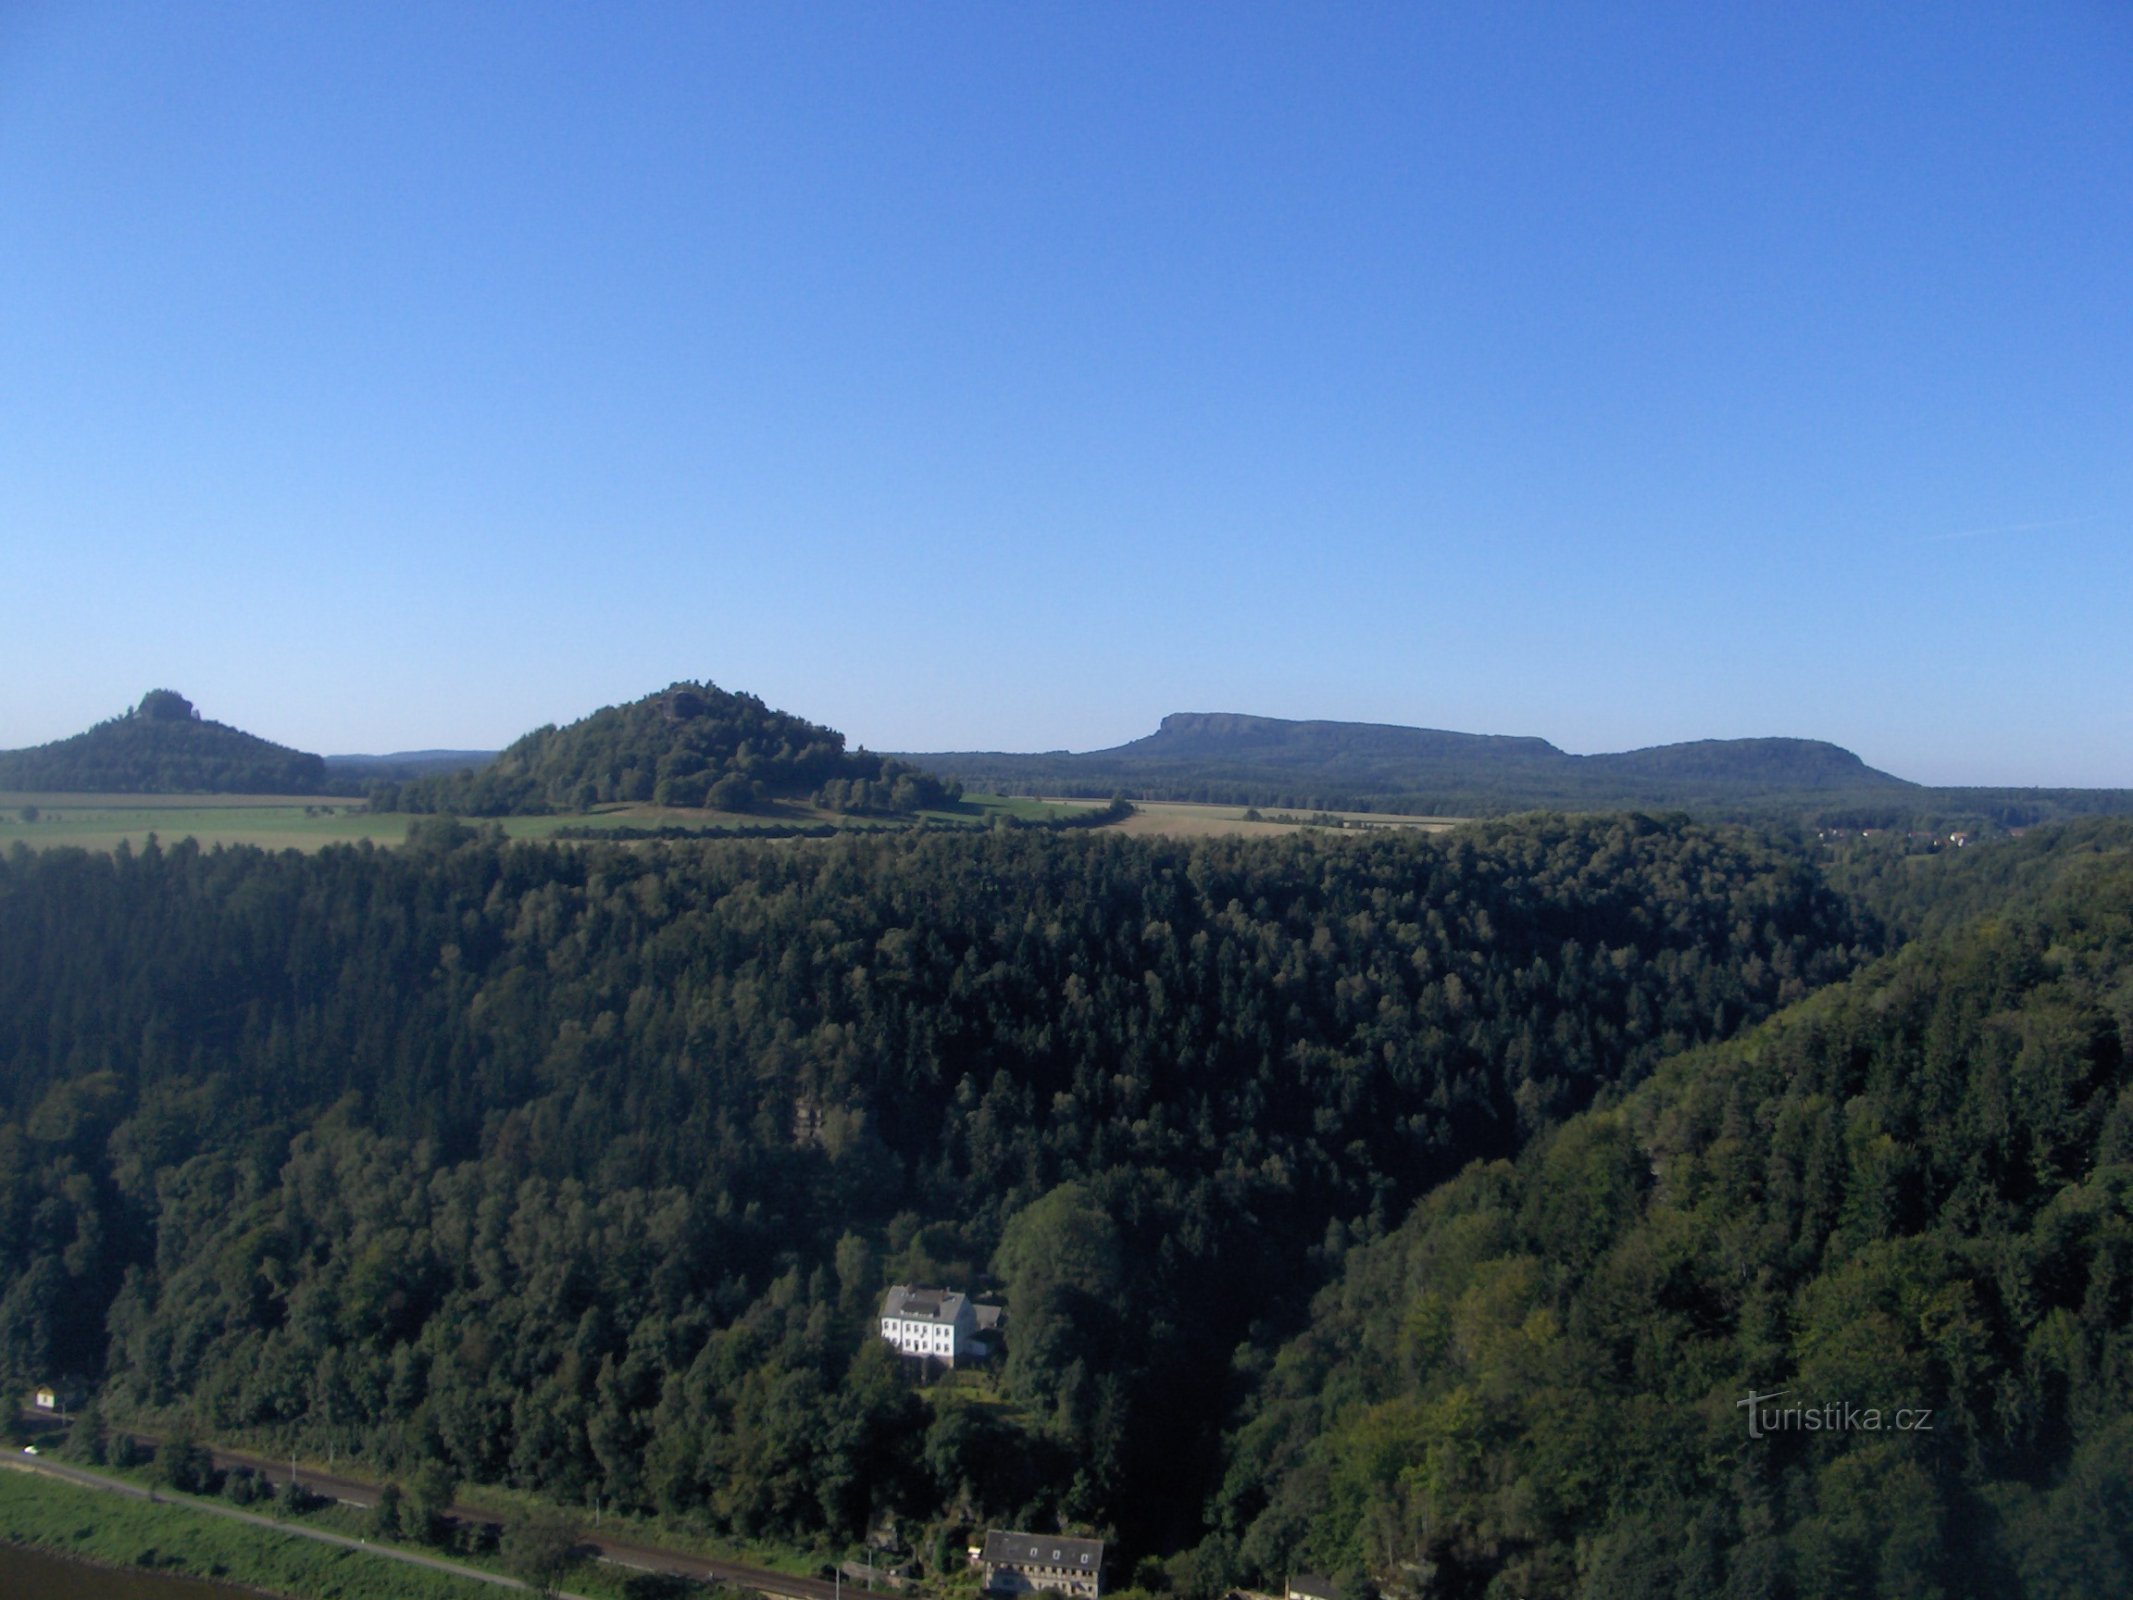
(692,744)
(1904,1208)
(1476,1180)
(163,746)
(584,1167)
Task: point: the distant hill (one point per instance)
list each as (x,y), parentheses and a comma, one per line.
(1225,756)
(1788,765)
(163,746)
(692,745)
(402,765)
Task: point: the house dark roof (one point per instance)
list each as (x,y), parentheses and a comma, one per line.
(922,1305)
(1004,1548)
(1312,1585)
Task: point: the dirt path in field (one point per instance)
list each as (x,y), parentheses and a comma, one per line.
(353,1492)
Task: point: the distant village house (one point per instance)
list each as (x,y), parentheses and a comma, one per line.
(1033,1563)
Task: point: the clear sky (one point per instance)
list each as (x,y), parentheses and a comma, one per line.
(1006,376)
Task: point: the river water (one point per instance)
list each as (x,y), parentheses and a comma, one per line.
(27,1574)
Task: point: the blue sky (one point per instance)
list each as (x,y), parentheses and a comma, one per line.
(1008,376)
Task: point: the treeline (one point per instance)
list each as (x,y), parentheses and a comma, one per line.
(583,1168)
(693,745)
(1911,809)
(1903,1210)
(163,747)
(1064,822)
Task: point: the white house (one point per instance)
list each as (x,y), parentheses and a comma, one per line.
(61,1397)
(930,1322)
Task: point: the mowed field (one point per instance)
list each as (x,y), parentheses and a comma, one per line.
(1184,820)
(295,822)
(100,821)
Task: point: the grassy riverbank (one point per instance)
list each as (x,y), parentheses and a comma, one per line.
(100,1526)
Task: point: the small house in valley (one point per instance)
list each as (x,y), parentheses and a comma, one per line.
(1032,1563)
(60,1397)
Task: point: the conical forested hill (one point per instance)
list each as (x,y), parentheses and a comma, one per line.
(162,746)
(691,744)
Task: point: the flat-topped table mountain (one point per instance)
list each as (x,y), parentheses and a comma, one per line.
(1271,760)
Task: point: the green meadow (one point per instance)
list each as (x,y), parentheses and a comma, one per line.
(101,821)
(177,1540)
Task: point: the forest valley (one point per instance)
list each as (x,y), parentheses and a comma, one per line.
(1413,1209)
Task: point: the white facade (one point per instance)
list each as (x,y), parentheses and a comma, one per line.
(929,1322)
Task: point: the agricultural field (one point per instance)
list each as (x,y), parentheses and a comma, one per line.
(1186,820)
(983,808)
(101,821)
(294,822)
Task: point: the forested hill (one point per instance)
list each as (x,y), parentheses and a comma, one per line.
(1903,1209)
(692,744)
(1266,760)
(584,1169)
(163,746)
